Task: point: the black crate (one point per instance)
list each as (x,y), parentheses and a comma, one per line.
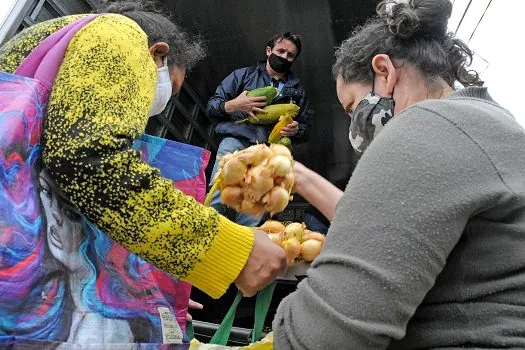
(185,120)
(294,212)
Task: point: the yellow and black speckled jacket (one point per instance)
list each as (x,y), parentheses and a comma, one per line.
(99,104)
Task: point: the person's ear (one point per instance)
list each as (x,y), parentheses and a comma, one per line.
(158,51)
(385,75)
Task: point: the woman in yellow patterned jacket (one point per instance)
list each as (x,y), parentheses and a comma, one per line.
(118,70)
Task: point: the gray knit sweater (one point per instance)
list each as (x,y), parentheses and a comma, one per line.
(427,246)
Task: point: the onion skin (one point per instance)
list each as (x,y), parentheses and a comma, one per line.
(280,165)
(314,235)
(288,181)
(233,172)
(276,238)
(259,182)
(295,229)
(289,239)
(282,150)
(278,199)
(272,226)
(255,155)
(264,176)
(232,196)
(310,249)
(251,208)
(293,249)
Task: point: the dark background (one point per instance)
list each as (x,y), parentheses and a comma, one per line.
(236,33)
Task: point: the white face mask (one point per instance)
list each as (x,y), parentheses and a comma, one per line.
(163,91)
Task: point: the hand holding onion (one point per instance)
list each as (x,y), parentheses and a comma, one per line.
(298,242)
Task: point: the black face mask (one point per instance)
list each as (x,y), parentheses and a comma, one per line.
(279,64)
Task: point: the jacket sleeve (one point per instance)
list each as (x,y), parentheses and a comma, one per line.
(402,213)
(228,89)
(98,106)
(304,123)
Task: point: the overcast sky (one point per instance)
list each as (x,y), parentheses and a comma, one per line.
(497,43)
(5,6)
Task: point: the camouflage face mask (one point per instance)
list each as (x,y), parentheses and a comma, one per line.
(369,117)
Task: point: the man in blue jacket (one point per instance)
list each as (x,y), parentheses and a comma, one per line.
(230,103)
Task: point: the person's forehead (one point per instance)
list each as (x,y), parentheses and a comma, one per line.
(286,44)
(44,176)
(345,92)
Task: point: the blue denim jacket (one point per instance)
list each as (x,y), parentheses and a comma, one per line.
(250,78)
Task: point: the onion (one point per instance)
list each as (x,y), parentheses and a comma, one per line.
(255,155)
(272,226)
(231,196)
(310,249)
(293,248)
(233,172)
(226,158)
(295,229)
(314,235)
(251,208)
(282,150)
(277,200)
(288,181)
(276,238)
(259,180)
(280,165)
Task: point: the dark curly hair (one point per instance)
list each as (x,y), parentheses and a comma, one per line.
(185,51)
(413,31)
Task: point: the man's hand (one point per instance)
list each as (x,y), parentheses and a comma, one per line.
(290,129)
(246,104)
(266,261)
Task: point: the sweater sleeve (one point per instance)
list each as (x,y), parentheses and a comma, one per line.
(98,106)
(228,89)
(402,213)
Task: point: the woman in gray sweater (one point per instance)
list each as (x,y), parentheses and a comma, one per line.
(426,247)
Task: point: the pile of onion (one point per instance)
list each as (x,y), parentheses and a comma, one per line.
(299,243)
(255,180)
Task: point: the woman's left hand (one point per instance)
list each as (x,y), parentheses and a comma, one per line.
(193,305)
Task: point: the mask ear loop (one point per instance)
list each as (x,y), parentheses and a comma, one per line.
(373,89)
(392,98)
(374,85)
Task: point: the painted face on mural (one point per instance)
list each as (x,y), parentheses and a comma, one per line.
(63,223)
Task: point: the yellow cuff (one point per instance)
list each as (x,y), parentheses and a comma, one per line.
(225,259)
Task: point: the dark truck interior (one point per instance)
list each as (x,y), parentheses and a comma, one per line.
(236,33)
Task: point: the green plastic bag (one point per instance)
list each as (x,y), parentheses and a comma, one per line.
(221,336)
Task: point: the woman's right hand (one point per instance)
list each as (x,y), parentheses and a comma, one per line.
(301,177)
(266,261)
(316,190)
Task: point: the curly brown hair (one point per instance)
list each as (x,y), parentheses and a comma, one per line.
(413,31)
